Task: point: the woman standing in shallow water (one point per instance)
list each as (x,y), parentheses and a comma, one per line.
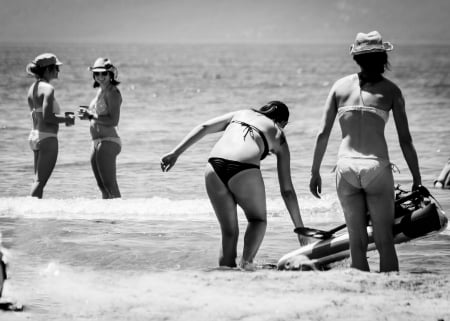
(104,114)
(44,111)
(364,179)
(233,175)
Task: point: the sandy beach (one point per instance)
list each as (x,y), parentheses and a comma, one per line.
(235,295)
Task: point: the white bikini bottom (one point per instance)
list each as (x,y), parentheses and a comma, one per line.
(360,172)
(97,141)
(36,137)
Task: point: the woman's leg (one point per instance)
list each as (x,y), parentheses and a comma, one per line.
(443,180)
(96,172)
(249,191)
(106,165)
(3,275)
(35,161)
(225,208)
(45,160)
(380,202)
(353,204)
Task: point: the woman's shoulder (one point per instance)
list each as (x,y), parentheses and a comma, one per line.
(113,90)
(250,115)
(243,114)
(346,80)
(41,85)
(392,85)
(114,93)
(45,85)
(44,88)
(344,85)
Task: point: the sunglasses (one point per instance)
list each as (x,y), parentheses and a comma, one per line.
(103,73)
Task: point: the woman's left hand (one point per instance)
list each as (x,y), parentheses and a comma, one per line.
(85,114)
(167,161)
(69,118)
(315,185)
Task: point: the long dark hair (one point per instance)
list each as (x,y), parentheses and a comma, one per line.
(373,63)
(40,71)
(275,110)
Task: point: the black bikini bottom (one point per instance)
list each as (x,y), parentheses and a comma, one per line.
(226,168)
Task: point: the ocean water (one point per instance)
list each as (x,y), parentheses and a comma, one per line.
(164,222)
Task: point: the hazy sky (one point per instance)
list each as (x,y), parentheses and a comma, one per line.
(147,21)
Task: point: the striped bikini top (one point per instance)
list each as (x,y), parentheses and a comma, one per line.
(383,114)
(100,106)
(377,111)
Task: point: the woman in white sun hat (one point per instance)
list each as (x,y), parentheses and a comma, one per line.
(104,114)
(364,180)
(45,114)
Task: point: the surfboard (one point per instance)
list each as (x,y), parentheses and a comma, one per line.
(413,221)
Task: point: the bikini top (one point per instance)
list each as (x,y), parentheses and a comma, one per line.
(250,129)
(56,107)
(377,111)
(383,114)
(100,106)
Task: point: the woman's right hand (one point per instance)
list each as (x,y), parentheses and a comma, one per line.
(315,184)
(167,161)
(69,118)
(83,113)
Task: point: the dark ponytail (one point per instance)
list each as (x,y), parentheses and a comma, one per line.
(275,110)
(39,71)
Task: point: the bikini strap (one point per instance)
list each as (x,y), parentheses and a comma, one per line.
(249,129)
(361,98)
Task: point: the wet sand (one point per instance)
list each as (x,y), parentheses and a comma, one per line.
(236,295)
